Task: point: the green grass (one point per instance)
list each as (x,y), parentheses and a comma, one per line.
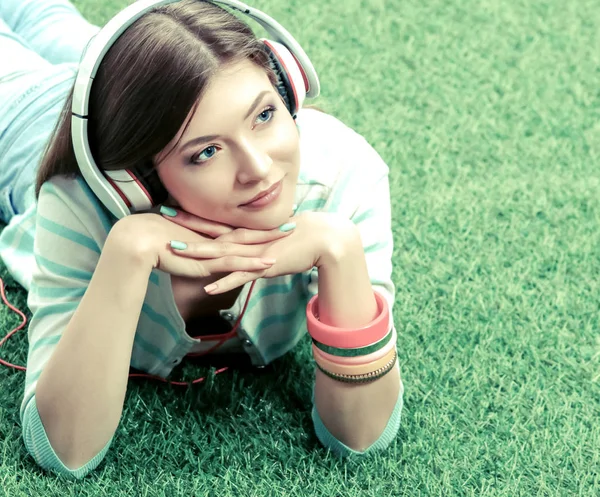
(488,114)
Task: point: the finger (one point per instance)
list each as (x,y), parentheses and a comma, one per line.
(250,237)
(203,268)
(233,280)
(214,249)
(234,264)
(195,223)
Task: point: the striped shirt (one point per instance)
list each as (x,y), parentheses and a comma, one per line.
(53,248)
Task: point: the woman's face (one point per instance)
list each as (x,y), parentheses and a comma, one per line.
(241,142)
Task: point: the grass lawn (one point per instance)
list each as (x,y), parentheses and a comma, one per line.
(488,113)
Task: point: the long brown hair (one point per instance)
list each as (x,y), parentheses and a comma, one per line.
(148,83)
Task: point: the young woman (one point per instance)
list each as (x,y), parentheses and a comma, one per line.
(263,218)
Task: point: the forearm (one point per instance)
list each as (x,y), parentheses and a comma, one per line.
(81,390)
(356,414)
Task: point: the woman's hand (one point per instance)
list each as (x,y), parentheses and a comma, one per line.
(317,237)
(150,236)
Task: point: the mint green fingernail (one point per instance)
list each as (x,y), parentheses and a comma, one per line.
(167,211)
(178,245)
(287,227)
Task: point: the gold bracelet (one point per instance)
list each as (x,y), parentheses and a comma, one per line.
(361,378)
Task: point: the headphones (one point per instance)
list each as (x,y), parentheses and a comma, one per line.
(126,191)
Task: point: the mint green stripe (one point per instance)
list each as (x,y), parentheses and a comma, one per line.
(306,277)
(7,237)
(58,292)
(311,205)
(49,310)
(133,362)
(363,216)
(48,187)
(305,181)
(9,234)
(26,243)
(302,178)
(154,278)
(59,269)
(340,191)
(161,320)
(30,213)
(149,348)
(106,218)
(280,348)
(53,340)
(375,247)
(33,377)
(276,319)
(67,233)
(274,289)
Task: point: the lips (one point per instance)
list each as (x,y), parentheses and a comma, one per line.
(262,194)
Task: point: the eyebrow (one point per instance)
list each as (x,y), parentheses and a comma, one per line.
(207,138)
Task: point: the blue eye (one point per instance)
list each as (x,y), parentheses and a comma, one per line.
(266,115)
(207,153)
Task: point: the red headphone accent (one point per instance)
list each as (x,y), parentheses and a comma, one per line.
(140,184)
(118,190)
(303,72)
(285,77)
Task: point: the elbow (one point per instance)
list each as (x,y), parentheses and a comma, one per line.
(77,465)
(360,441)
(70,461)
(68,464)
(358,444)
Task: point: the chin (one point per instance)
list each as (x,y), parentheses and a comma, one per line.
(266,219)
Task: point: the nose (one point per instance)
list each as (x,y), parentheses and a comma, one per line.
(254,163)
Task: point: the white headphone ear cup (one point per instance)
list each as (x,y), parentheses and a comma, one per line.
(292,70)
(130,189)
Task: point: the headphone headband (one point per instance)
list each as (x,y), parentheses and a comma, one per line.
(93,56)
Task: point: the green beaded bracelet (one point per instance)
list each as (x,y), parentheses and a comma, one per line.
(369,349)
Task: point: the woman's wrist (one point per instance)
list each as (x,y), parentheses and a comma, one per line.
(345,293)
(125,241)
(339,242)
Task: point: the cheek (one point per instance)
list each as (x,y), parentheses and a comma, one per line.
(286,143)
(167,179)
(184,190)
(203,196)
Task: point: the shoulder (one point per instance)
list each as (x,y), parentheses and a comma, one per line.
(319,129)
(330,148)
(69,201)
(71,189)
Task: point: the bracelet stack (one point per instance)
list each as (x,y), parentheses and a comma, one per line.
(353,355)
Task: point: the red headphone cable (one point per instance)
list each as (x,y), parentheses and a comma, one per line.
(223,339)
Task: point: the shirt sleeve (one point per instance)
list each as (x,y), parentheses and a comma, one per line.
(67,247)
(341,449)
(361,192)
